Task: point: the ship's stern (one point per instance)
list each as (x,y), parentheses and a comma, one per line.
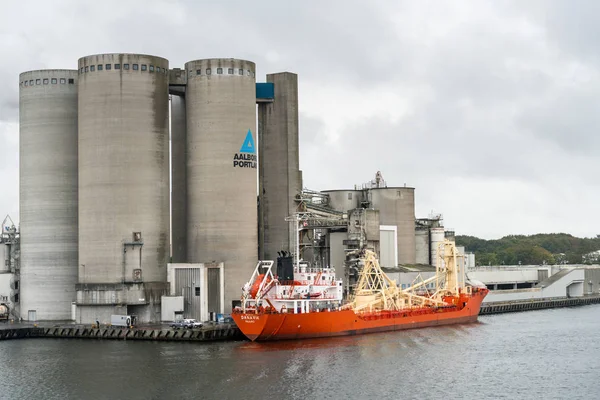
(250,324)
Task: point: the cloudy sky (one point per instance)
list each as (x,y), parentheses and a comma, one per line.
(490,109)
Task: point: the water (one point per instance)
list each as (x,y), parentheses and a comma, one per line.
(551,354)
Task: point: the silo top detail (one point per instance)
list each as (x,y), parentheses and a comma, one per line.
(125,63)
(230,67)
(47,78)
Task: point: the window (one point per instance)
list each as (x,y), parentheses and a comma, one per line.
(38,81)
(248,72)
(207,71)
(253,74)
(71,81)
(220,71)
(99,67)
(31,82)
(81,70)
(240,71)
(198,72)
(45,81)
(144,67)
(63,81)
(230,71)
(349,196)
(26,83)
(108,67)
(92,68)
(125,66)
(157,69)
(54,81)
(151,68)
(117,66)
(135,67)
(197,291)
(86,69)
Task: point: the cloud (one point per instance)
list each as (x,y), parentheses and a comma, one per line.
(487,108)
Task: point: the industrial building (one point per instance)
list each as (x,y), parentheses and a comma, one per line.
(106,229)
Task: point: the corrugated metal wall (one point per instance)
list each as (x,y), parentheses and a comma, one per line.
(187,284)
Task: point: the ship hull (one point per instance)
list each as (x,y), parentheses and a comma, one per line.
(286,326)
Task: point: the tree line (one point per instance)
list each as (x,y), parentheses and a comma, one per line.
(551,248)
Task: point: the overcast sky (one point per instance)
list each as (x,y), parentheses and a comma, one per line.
(490,109)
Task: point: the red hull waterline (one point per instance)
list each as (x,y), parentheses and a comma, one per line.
(285,326)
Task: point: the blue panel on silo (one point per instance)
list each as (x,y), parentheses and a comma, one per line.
(265,90)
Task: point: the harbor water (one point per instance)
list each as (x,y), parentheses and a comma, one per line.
(548,354)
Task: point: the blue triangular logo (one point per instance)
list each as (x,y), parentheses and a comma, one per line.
(248,146)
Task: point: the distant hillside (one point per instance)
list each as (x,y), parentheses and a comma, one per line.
(553,248)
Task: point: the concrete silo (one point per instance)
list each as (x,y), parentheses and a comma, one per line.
(344,200)
(222,173)
(48,193)
(123,185)
(280,180)
(396,206)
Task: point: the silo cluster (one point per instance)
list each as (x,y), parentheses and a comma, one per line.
(102,216)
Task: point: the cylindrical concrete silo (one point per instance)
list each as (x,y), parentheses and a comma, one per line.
(436,236)
(123,170)
(48,193)
(222,171)
(396,206)
(344,200)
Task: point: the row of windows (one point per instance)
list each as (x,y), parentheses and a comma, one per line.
(220,71)
(135,67)
(47,81)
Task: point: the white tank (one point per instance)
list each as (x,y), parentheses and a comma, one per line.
(222,168)
(436,237)
(48,192)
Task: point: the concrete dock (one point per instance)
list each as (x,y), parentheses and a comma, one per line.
(536,304)
(205,334)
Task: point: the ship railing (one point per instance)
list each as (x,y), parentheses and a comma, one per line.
(322,297)
(306,270)
(309,283)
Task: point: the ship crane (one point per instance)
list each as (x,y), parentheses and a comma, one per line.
(376,291)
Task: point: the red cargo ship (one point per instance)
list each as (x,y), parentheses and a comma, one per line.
(308,303)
